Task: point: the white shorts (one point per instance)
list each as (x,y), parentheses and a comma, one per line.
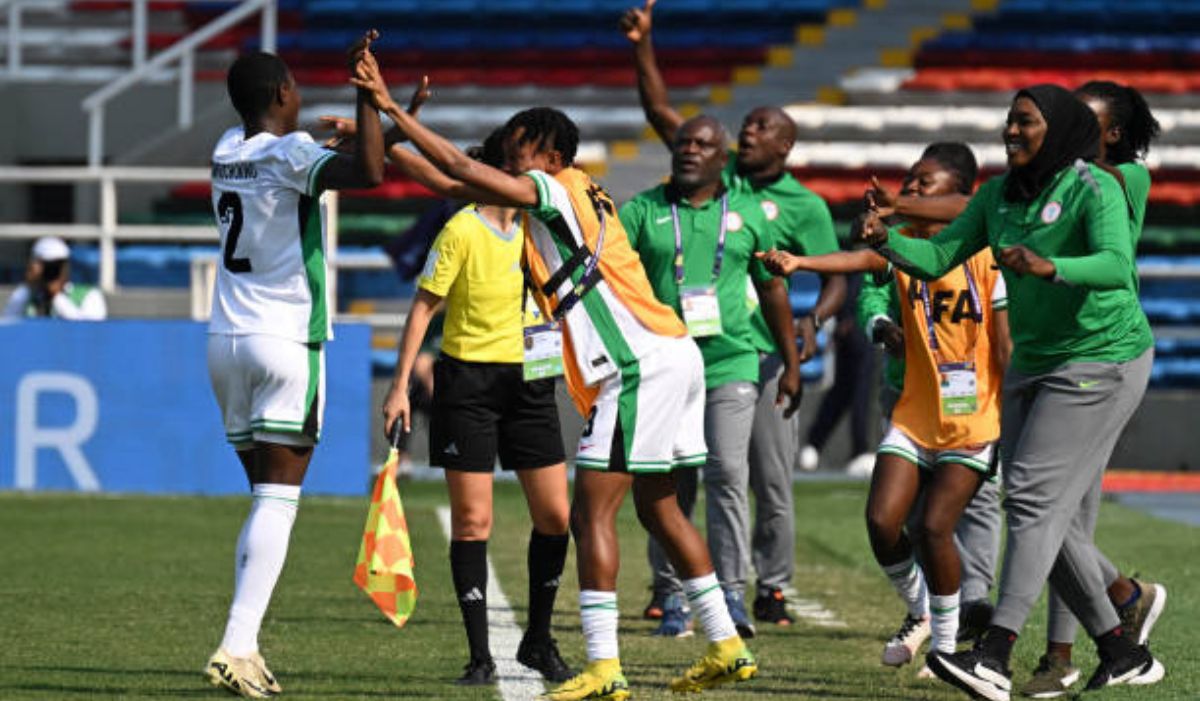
(649,417)
(896,442)
(269,389)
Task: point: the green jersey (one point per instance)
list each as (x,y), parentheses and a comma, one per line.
(1080,222)
(800,223)
(731,355)
(1137,191)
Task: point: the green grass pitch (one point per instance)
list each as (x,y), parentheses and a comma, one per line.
(125,597)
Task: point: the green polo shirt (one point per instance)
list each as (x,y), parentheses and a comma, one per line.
(800,223)
(1080,222)
(731,356)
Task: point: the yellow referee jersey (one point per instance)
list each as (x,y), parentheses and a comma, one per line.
(477,269)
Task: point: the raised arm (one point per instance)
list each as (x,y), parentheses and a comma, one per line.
(365,167)
(494,186)
(424,172)
(937,208)
(652,89)
(929,259)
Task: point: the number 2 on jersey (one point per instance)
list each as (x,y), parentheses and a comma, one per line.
(229,212)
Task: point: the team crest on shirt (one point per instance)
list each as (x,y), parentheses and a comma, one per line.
(733,221)
(770,209)
(1051,212)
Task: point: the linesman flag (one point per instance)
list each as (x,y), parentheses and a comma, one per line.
(385,562)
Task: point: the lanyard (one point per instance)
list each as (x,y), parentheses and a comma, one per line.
(679,241)
(976,305)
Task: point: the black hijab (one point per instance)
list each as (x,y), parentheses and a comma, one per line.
(1072,132)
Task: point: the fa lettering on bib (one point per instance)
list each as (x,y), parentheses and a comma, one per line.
(699,304)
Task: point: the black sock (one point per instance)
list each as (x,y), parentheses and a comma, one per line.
(998,642)
(1114,644)
(547,553)
(468,566)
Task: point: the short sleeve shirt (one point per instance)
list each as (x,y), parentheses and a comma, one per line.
(800,223)
(732,355)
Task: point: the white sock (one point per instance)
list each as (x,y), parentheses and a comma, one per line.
(706,598)
(944,610)
(261,551)
(598,609)
(909,582)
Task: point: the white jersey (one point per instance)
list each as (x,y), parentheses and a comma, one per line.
(272,275)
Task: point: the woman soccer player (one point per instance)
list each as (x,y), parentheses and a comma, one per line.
(483,406)
(1082,353)
(939,445)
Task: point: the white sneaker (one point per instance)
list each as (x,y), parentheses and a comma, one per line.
(238,675)
(810,458)
(861,465)
(903,646)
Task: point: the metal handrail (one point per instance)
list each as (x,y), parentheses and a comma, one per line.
(182,51)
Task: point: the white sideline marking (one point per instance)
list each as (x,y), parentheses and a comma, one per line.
(516,681)
(812,611)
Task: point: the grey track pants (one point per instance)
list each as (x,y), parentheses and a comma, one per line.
(977,533)
(1057,432)
(774,443)
(728,415)
(1061,625)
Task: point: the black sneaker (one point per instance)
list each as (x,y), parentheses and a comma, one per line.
(973,671)
(974,620)
(770,606)
(542,656)
(1137,668)
(478,673)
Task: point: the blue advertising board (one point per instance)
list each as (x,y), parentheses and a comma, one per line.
(126,406)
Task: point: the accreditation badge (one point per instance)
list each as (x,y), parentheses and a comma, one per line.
(958,388)
(543,351)
(701,311)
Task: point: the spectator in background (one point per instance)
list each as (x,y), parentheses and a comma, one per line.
(48,291)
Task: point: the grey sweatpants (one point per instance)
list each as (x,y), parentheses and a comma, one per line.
(977,533)
(1060,624)
(1057,431)
(774,443)
(728,415)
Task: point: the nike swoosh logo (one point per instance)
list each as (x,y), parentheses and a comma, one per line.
(662,220)
(1090,383)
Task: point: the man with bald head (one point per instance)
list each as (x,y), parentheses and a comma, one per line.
(801,223)
(696,238)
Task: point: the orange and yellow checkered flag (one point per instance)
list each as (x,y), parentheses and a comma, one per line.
(385,562)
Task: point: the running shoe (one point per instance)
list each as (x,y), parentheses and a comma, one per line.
(903,646)
(1053,677)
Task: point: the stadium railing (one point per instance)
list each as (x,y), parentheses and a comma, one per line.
(181,53)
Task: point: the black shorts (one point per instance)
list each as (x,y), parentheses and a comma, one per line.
(481,410)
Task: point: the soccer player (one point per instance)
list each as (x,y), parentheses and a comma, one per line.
(1082,353)
(801,224)
(270,320)
(939,446)
(631,369)
(48,291)
(483,406)
(1126,129)
(697,240)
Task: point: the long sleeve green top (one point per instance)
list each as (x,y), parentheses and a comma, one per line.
(1081,223)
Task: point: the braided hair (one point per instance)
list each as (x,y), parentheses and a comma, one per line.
(547,128)
(1128,111)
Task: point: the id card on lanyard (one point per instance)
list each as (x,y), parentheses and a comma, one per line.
(699,304)
(957,381)
(542,344)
